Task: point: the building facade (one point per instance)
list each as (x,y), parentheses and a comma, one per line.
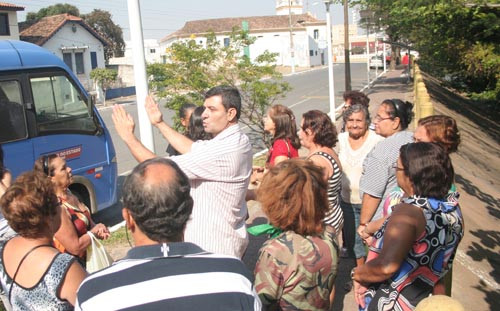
(71,39)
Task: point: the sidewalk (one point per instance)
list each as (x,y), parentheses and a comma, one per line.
(390,85)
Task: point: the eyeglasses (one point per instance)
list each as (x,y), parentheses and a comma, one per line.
(397,168)
(379,118)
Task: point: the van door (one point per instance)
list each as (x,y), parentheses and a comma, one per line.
(67,127)
(17,149)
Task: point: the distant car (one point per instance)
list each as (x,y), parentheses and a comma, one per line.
(376,61)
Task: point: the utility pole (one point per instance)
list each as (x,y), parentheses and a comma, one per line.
(292,52)
(347,57)
(331,81)
(141,82)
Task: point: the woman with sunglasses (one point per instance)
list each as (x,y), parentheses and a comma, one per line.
(378,178)
(75,216)
(416,245)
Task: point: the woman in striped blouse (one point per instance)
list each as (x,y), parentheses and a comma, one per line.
(318,135)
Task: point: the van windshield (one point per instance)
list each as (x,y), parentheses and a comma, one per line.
(59,106)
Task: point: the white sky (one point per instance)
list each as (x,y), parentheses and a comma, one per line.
(162,17)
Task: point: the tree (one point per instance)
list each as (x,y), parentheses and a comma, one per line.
(193,69)
(60,8)
(101,21)
(103,78)
(457,39)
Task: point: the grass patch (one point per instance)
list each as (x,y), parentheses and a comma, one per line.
(118,237)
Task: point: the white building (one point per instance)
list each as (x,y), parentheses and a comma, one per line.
(272,34)
(71,39)
(9,30)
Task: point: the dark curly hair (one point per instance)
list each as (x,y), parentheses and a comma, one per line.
(284,123)
(442,130)
(160,209)
(325,133)
(403,110)
(428,167)
(30,204)
(293,196)
(356,97)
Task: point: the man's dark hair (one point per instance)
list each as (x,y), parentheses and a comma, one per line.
(356,97)
(161,210)
(428,167)
(230,96)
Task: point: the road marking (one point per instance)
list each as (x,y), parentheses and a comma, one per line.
(481,274)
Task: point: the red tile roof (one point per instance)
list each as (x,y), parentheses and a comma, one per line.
(255,23)
(10,7)
(44,29)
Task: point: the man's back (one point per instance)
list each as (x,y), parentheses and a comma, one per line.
(173,276)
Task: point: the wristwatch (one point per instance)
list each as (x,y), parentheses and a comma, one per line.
(352,273)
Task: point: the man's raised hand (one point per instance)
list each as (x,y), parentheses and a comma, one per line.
(123,122)
(153,110)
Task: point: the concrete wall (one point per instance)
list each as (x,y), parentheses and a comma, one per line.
(68,41)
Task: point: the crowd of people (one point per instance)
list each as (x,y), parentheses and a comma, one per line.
(386,198)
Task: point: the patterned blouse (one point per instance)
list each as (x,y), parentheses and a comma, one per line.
(44,295)
(296,272)
(427,262)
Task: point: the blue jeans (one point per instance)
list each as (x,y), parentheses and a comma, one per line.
(353,242)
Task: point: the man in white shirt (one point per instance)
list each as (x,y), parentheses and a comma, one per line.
(218,169)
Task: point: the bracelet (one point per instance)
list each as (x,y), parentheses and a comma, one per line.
(352,273)
(365,225)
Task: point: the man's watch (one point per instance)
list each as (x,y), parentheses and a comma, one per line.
(352,273)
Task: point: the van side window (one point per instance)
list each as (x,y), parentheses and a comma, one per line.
(12,118)
(59,106)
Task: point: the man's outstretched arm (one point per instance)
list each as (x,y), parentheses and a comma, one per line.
(180,142)
(125,125)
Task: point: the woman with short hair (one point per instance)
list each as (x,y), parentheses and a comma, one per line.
(35,276)
(296,268)
(76,219)
(415,246)
(318,135)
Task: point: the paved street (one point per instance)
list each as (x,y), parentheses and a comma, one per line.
(475,277)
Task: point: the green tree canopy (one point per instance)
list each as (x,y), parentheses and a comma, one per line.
(193,68)
(51,10)
(101,21)
(458,39)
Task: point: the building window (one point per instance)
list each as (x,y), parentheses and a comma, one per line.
(226,42)
(79,63)
(152,51)
(316,33)
(316,53)
(311,53)
(4,24)
(93,60)
(68,60)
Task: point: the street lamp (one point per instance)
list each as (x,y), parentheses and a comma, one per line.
(347,56)
(291,35)
(331,81)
